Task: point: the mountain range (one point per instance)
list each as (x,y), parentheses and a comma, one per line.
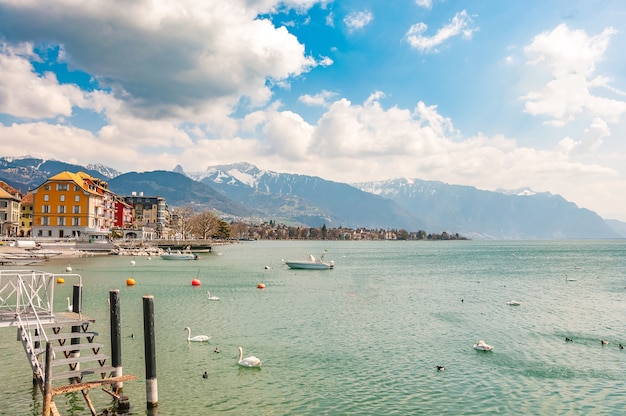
(244,192)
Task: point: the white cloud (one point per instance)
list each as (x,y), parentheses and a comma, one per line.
(427,4)
(460,25)
(320,99)
(169,58)
(358,20)
(571,57)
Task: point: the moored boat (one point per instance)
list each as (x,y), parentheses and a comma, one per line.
(311,264)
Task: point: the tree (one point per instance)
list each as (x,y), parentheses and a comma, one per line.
(204,225)
(181,218)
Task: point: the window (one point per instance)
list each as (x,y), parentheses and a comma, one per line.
(76,221)
(76,209)
(45,221)
(46,188)
(76,198)
(62,198)
(62,187)
(61,221)
(49,233)
(76,187)
(46,197)
(45,209)
(61,209)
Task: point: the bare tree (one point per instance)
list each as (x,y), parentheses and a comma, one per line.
(181,218)
(204,224)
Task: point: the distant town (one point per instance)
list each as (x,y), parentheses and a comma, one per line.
(77,206)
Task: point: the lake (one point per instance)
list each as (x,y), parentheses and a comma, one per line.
(364,338)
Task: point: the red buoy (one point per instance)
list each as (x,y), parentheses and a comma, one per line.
(261,285)
(195,282)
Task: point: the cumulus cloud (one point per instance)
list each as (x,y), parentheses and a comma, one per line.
(571,57)
(460,25)
(358,20)
(168,58)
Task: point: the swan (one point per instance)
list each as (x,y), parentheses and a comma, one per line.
(483,346)
(197,338)
(70,308)
(251,361)
(68,268)
(132,262)
(211,297)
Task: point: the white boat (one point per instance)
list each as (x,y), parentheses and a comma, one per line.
(178,255)
(482,346)
(311,264)
(514,303)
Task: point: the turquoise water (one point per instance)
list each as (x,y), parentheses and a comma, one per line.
(366,337)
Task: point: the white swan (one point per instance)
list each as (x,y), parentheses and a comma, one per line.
(251,361)
(197,338)
(482,346)
(70,308)
(211,297)
(68,268)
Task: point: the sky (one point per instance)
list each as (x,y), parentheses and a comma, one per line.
(487,93)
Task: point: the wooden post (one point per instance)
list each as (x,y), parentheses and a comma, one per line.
(116,333)
(152,394)
(47,387)
(77,298)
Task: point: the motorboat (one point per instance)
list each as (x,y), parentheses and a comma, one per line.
(179,255)
(482,346)
(311,264)
(514,303)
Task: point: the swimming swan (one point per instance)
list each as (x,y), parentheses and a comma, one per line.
(211,297)
(197,338)
(251,361)
(483,346)
(70,308)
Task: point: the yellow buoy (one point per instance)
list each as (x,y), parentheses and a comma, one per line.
(130,282)
(60,280)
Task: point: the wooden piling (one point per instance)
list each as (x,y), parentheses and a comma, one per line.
(77,298)
(47,387)
(116,334)
(152,394)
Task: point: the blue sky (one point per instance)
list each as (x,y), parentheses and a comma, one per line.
(487,93)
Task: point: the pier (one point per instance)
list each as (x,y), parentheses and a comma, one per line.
(62,350)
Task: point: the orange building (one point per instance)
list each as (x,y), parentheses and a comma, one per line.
(73,205)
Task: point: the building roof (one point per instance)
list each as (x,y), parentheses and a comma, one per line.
(5,195)
(79,178)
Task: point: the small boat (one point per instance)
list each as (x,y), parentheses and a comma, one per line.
(514,303)
(482,346)
(311,264)
(179,255)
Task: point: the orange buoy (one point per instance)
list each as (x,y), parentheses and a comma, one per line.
(195,282)
(60,280)
(130,282)
(261,285)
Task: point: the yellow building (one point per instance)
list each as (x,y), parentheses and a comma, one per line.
(73,205)
(26,216)
(9,211)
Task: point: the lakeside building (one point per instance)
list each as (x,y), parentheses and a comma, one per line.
(150,212)
(10,200)
(73,205)
(26,215)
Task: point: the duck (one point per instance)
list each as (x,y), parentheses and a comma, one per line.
(482,346)
(621,347)
(604,342)
(217,350)
(568,339)
(205,375)
(441,367)
(197,338)
(251,361)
